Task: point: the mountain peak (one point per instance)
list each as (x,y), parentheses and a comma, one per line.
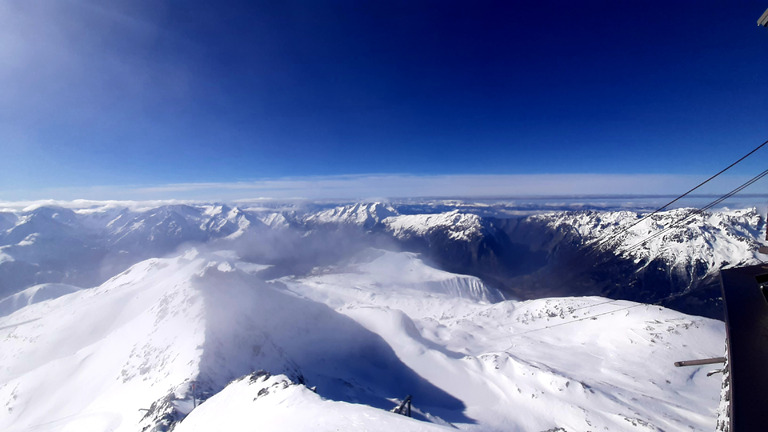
(366,215)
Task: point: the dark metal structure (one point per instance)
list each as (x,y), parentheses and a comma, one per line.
(404,408)
(745,295)
(708,361)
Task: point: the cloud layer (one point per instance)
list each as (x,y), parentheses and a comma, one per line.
(380,186)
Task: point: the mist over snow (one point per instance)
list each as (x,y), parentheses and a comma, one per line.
(493,315)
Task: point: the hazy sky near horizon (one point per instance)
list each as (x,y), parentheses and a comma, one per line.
(171,97)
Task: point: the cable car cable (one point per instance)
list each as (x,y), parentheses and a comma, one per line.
(595,316)
(623,230)
(699,211)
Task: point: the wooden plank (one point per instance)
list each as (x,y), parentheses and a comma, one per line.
(746,319)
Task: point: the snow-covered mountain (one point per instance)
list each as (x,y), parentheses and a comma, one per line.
(85,247)
(321,316)
(598,253)
(456,225)
(525,256)
(709,238)
(366,215)
(204,340)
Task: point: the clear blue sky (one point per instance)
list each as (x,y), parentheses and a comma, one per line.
(149,93)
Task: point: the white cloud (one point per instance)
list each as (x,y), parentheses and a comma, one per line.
(357,187)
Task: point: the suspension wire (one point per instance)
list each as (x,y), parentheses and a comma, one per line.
(699,211)
(18,324)
(625,229)
(675,224)
(595,316)
(593,305)
(586,317)
(690,214)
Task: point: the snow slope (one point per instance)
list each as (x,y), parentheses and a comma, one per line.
(35,294)
(388,275)
(364,327)
(273,403)
(95,357)
(513,373)
(169,332)
(89,360)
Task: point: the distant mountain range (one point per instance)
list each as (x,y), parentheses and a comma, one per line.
(212,337)
(561,253)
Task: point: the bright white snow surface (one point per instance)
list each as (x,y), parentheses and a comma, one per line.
(34,294)
(460,226)
(366,333)
(274,403)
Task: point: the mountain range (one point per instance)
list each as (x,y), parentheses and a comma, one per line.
(198,317)
(561,253)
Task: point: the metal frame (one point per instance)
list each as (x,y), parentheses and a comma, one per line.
(745,294)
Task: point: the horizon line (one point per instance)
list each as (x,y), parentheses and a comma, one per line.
(367,187)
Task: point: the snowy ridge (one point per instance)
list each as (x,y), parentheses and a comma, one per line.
(274,220)
(84,247)
(166,322)
(459,226)
(364,215)
(710,238)
(265,402)
(108,347)
(181,223)
(407,270)
(361,334)
(467,287)
(386,275)
(35,294)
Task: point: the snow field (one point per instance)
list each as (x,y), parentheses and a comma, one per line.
(366,333)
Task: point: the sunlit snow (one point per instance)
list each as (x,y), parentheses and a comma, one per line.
(212,335)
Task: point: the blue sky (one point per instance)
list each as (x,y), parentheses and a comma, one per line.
(108,99)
